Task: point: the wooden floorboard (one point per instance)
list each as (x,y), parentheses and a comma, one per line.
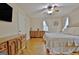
(35,46)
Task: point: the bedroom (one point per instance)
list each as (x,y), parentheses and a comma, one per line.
(61,25)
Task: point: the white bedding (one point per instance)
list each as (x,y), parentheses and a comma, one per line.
(61,38)
(57,41)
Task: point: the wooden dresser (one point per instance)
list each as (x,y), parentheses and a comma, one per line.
(12,45)
(4,48)
(37,34)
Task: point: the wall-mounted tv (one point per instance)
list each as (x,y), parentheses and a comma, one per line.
(5,12)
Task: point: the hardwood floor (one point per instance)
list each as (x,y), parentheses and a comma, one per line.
(35,46)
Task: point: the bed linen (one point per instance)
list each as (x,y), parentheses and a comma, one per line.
(57,42)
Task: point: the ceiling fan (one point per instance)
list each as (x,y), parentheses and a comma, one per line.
(50,8)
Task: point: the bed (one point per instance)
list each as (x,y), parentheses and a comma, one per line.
(61,41)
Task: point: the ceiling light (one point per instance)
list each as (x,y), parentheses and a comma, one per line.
(50,12)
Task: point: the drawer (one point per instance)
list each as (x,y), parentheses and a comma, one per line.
(37,34)
(3,46)
(12,45)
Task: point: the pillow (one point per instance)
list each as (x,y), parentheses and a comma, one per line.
(72,31)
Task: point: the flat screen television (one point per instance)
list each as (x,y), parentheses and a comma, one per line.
(5,12)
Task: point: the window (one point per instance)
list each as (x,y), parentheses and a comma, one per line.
(45,27)
(66,23)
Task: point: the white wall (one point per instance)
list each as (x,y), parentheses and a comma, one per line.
(74,18)
(35,23)
(9,28)
(12,28)
(54,24)
(73,23)
(27,27)
(38,23)
(24,23)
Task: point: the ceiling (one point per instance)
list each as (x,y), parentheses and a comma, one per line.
(31,9)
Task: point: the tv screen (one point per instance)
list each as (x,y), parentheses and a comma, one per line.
(5,12)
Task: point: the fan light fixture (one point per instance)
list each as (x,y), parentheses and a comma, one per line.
(50,12)
(52,8)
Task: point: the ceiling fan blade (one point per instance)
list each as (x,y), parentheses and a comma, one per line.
(41,10)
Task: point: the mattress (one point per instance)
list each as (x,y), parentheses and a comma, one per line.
(60,35)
